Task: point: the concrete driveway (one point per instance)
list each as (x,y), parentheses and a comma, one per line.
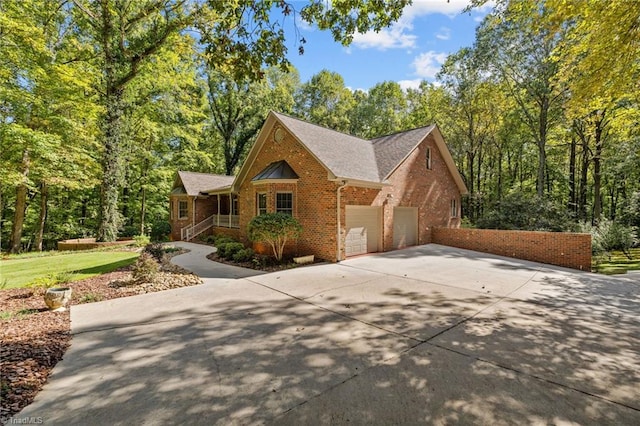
(427,335)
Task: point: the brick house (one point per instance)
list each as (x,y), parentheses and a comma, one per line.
(351,196)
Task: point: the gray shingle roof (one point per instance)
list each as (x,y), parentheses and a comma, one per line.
(194,183)
(390,150)
(350,157)
(344,155)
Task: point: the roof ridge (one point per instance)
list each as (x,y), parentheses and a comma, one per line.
(308,123)
(379,138)
(203,173)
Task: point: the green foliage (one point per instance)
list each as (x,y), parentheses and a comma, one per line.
(41,284)
(160,230)
(609,236)
(631,211)
(145,269)
(524,212)
(275,229)
(156,250)
(90,297)
(228,250)
(141,240)
(243,255)
(220,239)
(325,101)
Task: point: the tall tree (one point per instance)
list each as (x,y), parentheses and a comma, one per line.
(519,50)
(46,125)
(324,100)
(381,111)
(126,35)
(240,37)
(238,108)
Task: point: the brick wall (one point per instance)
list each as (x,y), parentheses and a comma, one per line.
(314,196)
(555,248)
(176,223)
(412,185)
(204,207)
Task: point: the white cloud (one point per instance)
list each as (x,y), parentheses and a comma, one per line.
(388,38)
(450,8)
(428,64)
(410,84)
(444,34)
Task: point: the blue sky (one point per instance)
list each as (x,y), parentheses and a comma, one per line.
(410,51)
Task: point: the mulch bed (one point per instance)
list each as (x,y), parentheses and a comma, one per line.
(267,264)
(34,339)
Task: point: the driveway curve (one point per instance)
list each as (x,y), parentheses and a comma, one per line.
(426,335)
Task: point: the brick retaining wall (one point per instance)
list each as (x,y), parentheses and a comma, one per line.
(556,248)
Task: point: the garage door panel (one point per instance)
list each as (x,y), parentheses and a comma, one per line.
(363,230)
(405,227)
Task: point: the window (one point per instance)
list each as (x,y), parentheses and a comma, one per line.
(454,208)
(171,207)
(234,204)
(183,210)
(428,158)
(261,203)
(284,203)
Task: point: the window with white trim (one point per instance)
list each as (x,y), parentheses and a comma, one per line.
(284,203)
(428,158)
(234,204)
(261,203)
(183,210)
(454,208)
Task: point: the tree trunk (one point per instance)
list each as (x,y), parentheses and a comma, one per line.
(597,162)
(21,207)
(44,194)
(542,142)
(143,208)
(571,205)
(109,215)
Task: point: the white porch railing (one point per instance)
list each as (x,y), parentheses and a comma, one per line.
(220,220)
(190,232)
(226,220)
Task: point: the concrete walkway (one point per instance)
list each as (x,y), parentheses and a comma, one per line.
(427,335)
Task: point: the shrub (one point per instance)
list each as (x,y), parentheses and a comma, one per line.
(243,255)
(141,240)
(222,239)
(609,236)
(41,284)
(64,277)
(146,268)
(156,250)
(275,229)
(160,230)
(228,250)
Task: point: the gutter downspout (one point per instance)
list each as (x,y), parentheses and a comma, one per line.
(344,183)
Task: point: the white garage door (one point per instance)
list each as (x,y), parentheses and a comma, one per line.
(405,227)
(363,230)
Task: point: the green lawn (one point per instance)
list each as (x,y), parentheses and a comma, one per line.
(18,272)
(617,262)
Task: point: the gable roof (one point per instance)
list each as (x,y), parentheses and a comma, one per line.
(195,183)
(391,150)
(345,156)
(350,158)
